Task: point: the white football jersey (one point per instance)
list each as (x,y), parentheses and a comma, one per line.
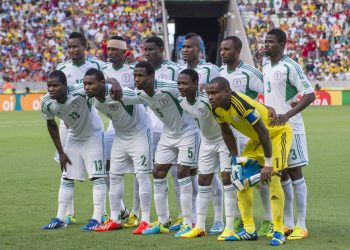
(200,111)
(206,71)
(167,71)
(244,79)
(282,84)
(76,112)
(165,105)
(127,120)
(75,73)
(124,75)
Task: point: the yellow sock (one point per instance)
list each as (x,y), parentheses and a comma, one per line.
(277,202)
(245,202)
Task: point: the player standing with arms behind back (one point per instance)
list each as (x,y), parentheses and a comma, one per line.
(283,81)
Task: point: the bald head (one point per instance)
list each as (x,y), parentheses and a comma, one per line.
(220,83)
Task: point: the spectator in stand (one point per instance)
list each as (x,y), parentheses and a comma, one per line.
(324,46)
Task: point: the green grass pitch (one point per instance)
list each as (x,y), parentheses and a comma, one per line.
(30,180)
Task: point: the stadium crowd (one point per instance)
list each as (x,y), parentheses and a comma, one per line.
(33,34)
(317,34)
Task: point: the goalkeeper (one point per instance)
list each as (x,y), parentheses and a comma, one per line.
(268,145)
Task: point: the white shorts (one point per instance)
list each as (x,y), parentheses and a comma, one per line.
(298,155)
(133,155)
(109,137)
(213,157)
(182,150)
(86,156)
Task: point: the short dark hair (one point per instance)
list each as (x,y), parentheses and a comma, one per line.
(120,38)
(280,34)
(236,41)
(95,72)
(78,35)
(192,73)
(222,82)
(147,65)
(156,40)
(59,75)
(191,35)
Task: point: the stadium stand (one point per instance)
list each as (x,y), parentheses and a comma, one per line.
(318,33)
(33,33)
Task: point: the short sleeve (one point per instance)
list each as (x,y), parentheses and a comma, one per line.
(45,110)
(299,80)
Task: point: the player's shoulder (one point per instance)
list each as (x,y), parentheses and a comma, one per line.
(208,65)
(96,63)
(61,66)
(164,84)
(222,68)
(76,90)
(171,64)
(250,70)
(267,63)
(106,66)
(293,65)
(46,100)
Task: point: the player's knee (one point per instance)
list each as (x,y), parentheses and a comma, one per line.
(194,171)
(159,173)
(205,179)
(285,175)
(226,178)
(183,171)
(295,173)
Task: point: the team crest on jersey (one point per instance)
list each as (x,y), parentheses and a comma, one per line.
(113,107)
(202,112)
(277,75)
(236,83)
(163,102)
(126,77)
(76,104)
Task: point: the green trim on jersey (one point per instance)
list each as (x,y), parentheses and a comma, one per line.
(98,65)
(128,108)
(208,75)
(291,91)
(173,73)
(175,101)
(252,94)
(89,104)
(48,107)
(254,71)
(60,69)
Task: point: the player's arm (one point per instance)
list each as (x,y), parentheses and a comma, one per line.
(116,90)
(55,136)
(229,139)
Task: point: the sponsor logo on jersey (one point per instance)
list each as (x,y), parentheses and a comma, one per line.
(113,107)
(277,75)
(163,102)
(202,112)
(126,77)
(76,104)
(236,82)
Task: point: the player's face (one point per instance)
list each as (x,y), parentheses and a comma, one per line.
(272,46)
(186,86)
(92,86)
(55,88)
(228,52)
(189,50)
(153,53)
(141,78)
(76,50)
(216,96)
(115,55)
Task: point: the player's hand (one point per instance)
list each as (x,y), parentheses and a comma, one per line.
(282,119)
(272,115)
(64,159)
(116,91)
(266,173)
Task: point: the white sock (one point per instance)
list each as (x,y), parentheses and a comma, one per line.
(136,198)
(107,192)
(186,199)
(122,206)
(161,199)
(203,199)
(145,191)
(300,190)
(65,195)
(288,203)
(115,196)
(194,179)
(265,200)
(217,197)
(99,196)
(173,172)
(230,201)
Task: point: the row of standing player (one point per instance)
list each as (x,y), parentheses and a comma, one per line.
(243,78)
